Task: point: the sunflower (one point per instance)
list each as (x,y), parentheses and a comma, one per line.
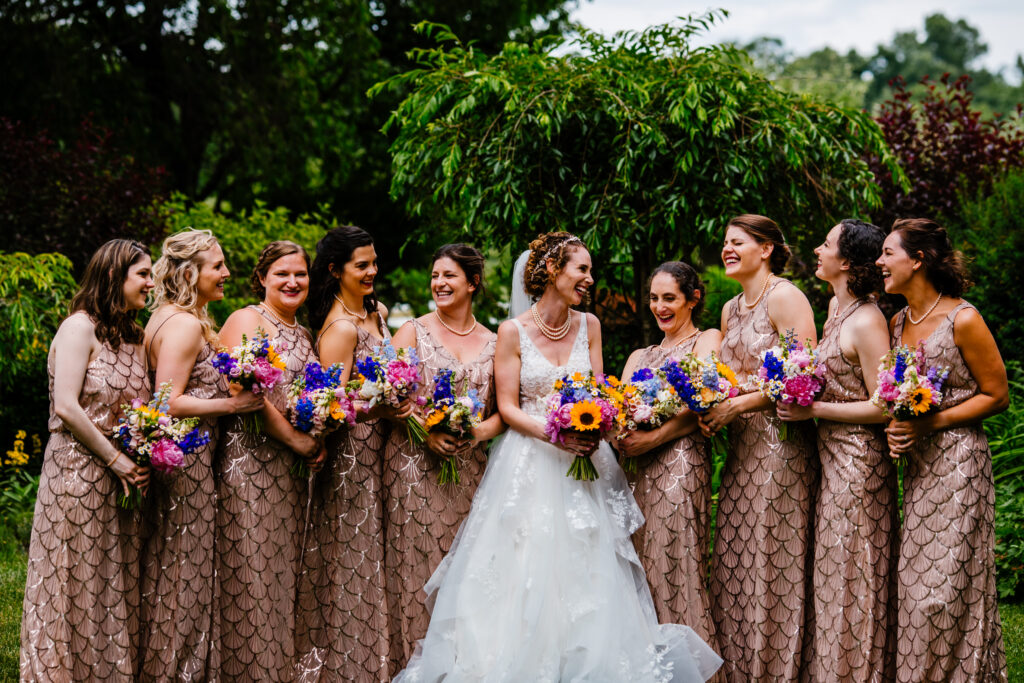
(434,418)
(275,359)
(585,416)
(921,400)
(337,412)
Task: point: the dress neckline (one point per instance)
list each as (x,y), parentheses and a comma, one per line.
(437,344)
(581,330)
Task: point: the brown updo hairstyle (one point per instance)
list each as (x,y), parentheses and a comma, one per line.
(765,231)
(687,280)
(925,240)
(271,253)
(556,246)
(469,259)
(860,243)
(101,295)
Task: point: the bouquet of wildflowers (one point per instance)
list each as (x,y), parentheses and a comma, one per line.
(453,414)
(318,404)
(582,403)
(151,437)
(388,376)
(701,384)
(256,365)
(647,401)
(790,372)
(906,387)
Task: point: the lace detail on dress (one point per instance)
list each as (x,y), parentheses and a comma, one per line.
(538,374)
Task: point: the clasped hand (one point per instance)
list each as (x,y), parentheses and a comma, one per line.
(580,444)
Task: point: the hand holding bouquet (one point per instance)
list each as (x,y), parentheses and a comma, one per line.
(388,376)
(906,386)
(318,404)
(582,404)
(151,437)
(790,372)
(255,365)
(647,402)
(451,414)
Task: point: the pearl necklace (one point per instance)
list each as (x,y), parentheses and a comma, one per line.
(679,343)
(349,311)
(276,317)
(910,313)
(838,313)
(764,289)
(550,332)
(445,325)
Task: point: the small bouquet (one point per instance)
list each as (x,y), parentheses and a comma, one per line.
(906,387)
(582,403)
(389,376)
(455,415)
(151,437)
(254,364)
(701,384)
(318,404)
(790,372)
(647,401)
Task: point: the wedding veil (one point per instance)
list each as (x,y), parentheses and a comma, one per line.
(520,301)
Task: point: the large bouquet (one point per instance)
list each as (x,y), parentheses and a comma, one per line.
(452,414)
(790,372)
(388,376)
(647,402)
(700,383)
(152,438)
(318,404)
(906,386)
(256,365)
(584,404)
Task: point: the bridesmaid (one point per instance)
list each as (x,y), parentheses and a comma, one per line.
(260,504)
(949,628)
(341,617)
(855,525)
(673,487)
(762,553)
(422,516)
(80,616)
(180,623)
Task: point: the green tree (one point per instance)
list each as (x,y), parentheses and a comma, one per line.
(642,144)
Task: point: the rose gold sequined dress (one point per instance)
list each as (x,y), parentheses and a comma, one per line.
(854,636)
(81,608)
(341,615)
(673,489)
(422,516)
(949,627)
(260,513)
(180,612)
(762,549)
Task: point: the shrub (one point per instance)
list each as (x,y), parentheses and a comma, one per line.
(1006,438)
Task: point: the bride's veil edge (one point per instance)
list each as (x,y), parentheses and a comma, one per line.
(519,301)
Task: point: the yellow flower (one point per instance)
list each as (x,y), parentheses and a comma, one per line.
(337,412)
(921,400)
(726,372)
(585,416)
(434,418)
(613,380)
(577,377)
(559,384)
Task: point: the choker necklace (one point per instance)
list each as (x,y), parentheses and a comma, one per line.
(554,334)
(910,312)
(764,288)
(276,317)
(686,338)
(350,311)
(454,331)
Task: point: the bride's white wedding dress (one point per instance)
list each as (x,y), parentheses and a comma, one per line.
(542,582)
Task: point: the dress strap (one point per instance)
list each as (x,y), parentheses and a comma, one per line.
(316,344)
(160,327)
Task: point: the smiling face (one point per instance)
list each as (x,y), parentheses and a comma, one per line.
(448,284)
(669,305)
(898,267)
(213,273)
(359,272)
(574,281)
(138,282)
(830,264)
(742,255)
(286,282)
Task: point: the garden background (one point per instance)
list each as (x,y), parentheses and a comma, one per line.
(485,122)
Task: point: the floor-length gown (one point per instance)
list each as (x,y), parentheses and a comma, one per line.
(80,617)
(949,627)
(855,530)
(341,617)
(542,582)
(260,517)
(673,489)
(422,516)
(180,610)
(760,567)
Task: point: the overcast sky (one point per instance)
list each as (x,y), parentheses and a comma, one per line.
(807,25)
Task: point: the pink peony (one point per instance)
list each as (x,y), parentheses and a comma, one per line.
(800,389)
(166,456)
(265,373)
(402,374)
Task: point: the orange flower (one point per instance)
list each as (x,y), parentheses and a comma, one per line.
(726,372)
(337,412)
(434,418)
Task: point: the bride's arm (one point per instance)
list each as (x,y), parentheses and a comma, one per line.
(507,365)
(594,338)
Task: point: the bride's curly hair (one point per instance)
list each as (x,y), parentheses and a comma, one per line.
(556,246)
(176,273)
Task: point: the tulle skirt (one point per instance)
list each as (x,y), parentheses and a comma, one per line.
(542,583)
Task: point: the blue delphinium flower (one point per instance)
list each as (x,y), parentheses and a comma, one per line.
(642,375)
(193,441)
(773,367)
(680,381)
(900,369)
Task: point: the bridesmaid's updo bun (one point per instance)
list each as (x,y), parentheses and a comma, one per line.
(927,241)
(765,231)
(860,243)
(687,280)
(469,259)
(271,253)
(557,246)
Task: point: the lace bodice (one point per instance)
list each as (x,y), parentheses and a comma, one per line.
(537,375)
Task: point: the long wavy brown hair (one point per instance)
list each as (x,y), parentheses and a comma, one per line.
(101,295)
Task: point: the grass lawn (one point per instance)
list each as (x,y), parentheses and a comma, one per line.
(12,584)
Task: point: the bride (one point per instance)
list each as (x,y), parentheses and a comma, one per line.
(542,582)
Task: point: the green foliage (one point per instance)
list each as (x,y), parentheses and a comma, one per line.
(1012,617)
(1006,439)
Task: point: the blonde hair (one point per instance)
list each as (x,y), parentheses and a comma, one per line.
(176,273)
